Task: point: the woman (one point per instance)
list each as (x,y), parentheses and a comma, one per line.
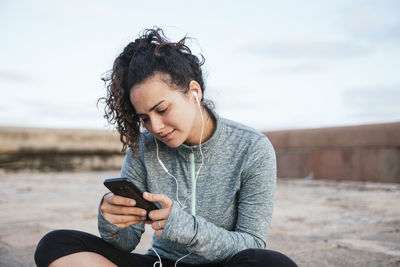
(213,179)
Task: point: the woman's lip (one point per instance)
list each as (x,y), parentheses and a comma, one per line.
(165,137)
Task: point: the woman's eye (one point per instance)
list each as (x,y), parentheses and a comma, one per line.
(162,111)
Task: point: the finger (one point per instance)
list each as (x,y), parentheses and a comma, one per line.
(123,219)
(159,233)
(165,201)
(120,219)
(119,200)
(122,210)
(162,214)
(158,225)
(107,207)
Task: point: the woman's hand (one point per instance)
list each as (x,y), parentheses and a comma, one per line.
(158,217)
(121,211)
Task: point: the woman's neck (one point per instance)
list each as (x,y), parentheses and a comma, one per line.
(209,125)
(209,128)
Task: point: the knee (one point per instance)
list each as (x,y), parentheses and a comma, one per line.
(260,257)
(48,243)
(51,238)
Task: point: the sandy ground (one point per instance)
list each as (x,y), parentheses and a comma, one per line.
(316,223)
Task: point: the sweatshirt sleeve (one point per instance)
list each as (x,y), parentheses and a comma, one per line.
(125,238)
(255,207)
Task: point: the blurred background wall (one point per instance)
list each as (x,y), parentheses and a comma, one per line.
(40,149)
(363,153)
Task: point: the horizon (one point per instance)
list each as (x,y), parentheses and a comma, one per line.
(115,130)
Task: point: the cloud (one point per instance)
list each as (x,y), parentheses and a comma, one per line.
(372,21)
(300,68)
(65,108)
(15,76)
(310,49)
(62,113)
(374,103)
(100,10)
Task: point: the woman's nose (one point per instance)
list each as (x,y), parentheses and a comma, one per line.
(156,125)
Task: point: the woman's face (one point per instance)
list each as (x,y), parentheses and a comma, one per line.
(166,113)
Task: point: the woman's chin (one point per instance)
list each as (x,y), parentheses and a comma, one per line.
(172,143)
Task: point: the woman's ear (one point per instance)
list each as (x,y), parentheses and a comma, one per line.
(195,89)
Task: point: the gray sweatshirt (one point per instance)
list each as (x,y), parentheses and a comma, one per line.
(228,209)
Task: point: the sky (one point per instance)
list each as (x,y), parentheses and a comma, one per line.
(272,65)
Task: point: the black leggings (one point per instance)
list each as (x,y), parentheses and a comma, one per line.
(60,243)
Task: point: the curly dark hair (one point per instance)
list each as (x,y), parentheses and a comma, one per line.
(148,55)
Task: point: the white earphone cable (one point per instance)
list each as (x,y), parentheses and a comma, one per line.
(181,258)
(159,259)
(176,180)
(166,170)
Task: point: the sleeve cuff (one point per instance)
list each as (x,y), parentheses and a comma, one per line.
(181,227)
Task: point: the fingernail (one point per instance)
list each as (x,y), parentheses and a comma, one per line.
(146,194)
(143,212)
(132,203)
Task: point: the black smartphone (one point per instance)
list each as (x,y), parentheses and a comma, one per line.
(123,187)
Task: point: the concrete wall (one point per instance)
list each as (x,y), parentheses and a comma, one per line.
(366,152)
(59,150)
